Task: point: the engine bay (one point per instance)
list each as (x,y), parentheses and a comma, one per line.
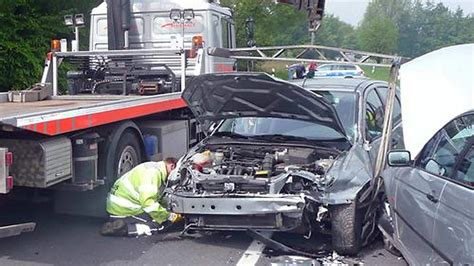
(254,169)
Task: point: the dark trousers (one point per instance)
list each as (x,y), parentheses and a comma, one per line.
(132,221)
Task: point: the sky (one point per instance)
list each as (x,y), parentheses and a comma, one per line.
(352,11)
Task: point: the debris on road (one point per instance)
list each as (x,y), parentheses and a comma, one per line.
(293,260)
(282,247)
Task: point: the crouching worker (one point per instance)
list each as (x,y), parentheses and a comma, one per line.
(136,203)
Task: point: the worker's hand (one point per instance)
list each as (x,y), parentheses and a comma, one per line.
(174,217)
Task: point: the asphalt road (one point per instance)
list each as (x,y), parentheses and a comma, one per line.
(70,240)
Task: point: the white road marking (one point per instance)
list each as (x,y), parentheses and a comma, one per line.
(253,252)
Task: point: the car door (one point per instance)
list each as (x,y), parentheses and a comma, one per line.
(453,233)
(324,70)
(419,190)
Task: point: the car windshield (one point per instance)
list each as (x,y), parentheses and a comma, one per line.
(277,128)
(345,105)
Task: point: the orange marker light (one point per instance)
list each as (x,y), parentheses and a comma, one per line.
(197,42)
(55,45)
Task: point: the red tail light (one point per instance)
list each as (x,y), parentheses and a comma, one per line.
(9,182)
(9,158)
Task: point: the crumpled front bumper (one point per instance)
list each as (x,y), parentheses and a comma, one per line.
(240,212)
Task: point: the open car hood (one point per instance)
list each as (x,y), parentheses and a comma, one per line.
(213,97)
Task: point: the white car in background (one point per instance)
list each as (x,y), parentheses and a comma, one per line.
(339,70)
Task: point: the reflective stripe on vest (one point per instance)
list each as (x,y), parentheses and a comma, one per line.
(124,202)
(129,186)
(152,207)
(148,188)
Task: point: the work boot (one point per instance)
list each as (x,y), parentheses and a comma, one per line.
(114,228)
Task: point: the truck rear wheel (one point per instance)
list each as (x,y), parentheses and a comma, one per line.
(128,155)
(346,228)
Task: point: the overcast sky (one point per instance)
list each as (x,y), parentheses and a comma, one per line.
(352,11)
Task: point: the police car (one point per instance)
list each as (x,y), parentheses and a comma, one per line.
(339,70)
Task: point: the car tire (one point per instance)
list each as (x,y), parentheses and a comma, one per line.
(346,227)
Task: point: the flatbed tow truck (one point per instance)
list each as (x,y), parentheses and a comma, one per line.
(123,103)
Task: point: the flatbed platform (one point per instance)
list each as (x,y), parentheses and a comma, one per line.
(63,114)
(8,110)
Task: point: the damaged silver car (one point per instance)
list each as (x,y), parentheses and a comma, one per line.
(429,212)
(281,157)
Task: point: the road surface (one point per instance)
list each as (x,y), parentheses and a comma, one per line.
(70,240)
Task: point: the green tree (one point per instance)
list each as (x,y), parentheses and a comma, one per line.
(432,26)
(422,26)
(396,10)
(378,34)
(27,29)
(336,33)
(279,24)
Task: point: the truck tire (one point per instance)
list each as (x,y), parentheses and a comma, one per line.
(346,229)
(128,155)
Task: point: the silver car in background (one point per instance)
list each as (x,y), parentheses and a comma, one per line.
(429,212)
(339,70)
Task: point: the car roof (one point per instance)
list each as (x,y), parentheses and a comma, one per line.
(340,84)
(337,64)
(470,112)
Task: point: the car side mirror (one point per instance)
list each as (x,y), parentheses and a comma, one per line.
(399,158)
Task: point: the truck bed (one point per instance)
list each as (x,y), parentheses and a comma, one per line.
(8,110)
(64,114)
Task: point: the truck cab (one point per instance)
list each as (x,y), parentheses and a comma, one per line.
(152,28)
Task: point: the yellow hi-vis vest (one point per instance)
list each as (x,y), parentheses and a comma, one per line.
(140,191)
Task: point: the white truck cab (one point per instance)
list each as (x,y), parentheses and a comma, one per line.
(152,28)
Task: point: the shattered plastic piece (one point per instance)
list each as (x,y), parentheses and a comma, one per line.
(333,259)
(293,260)
(321,213)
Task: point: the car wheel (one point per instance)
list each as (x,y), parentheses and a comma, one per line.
(346,227)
